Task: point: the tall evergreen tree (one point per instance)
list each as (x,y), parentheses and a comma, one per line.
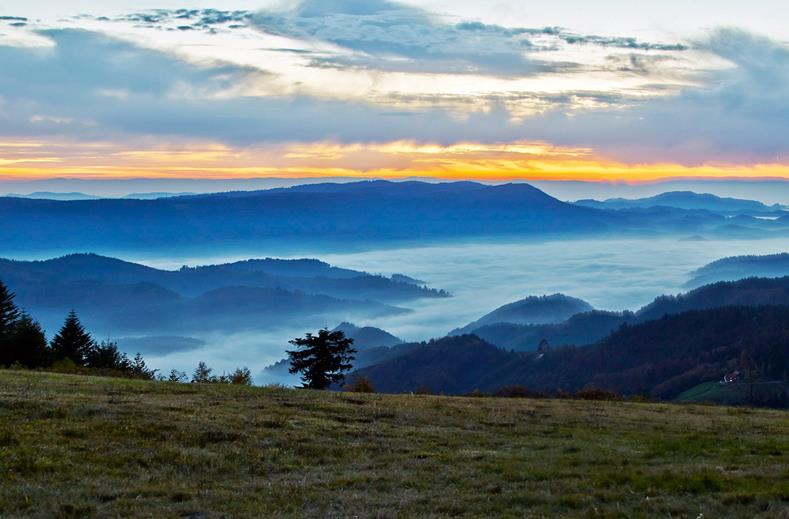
(72,342)
(106,356)
(27,344)
(9,313)
(202,374)
(321,359)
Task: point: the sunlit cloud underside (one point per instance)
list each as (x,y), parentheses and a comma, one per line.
(384,89)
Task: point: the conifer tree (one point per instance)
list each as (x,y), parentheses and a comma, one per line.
(72,342)
(9,313)
(138,368)
(202,374)
(321,359)
(106,355)
(27,344)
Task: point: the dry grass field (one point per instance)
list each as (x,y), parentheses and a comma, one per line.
(76,446)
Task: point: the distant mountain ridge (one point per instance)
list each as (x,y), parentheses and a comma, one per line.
(688,200)
(122,297)
(588,327)
(740,267)
(406,212)
(306,275)
(49,195)
(71,196)
(392,211)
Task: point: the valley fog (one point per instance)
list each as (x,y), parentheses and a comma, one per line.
(609,274)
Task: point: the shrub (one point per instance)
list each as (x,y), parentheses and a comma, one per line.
(241,377)
(592,393)
(177,376)
(362,385)
(516,391)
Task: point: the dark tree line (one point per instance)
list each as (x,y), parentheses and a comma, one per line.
(23,343)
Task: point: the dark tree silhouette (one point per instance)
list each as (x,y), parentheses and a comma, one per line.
(72,342)
(240,377)
(321,359)
(138,369)
(26,344)
(202,374)
(9,313)
(106,356)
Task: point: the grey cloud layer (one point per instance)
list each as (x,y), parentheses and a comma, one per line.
(91,86)
(741,114)
(384,35)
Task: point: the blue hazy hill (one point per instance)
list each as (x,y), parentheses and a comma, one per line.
(588,327)
(340,214)
(550,309)
(124,297)
(685,200)
(740,267)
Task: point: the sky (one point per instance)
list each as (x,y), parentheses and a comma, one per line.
(500,90)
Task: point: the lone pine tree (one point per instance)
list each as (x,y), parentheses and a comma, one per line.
(72,342)
(321,359)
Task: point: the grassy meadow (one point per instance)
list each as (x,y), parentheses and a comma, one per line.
(76,446)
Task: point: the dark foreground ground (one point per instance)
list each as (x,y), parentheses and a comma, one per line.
(73,446)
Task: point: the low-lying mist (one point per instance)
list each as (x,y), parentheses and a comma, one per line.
(609,274)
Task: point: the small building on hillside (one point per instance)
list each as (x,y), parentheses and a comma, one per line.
(730,378)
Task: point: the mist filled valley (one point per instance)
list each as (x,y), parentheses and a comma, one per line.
(609,274)
(230,278)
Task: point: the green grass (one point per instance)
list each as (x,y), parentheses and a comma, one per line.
(74,446)
(732,394)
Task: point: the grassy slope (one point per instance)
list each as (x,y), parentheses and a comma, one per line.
(79,446)
(732,394)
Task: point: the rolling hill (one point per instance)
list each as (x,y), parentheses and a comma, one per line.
(589,327)
(741,267)
(328,216)
(661,358)
(121,297)
(555,308)
(392,211)
(688,200)
(76,446)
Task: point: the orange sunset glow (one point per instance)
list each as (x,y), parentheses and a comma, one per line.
(27,160)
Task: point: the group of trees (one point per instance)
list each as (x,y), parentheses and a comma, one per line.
(23,343)
(204,375)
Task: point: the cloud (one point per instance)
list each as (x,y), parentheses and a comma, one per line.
(740,114)
(109,89)
(621,42)
(652,105)
(389,36)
